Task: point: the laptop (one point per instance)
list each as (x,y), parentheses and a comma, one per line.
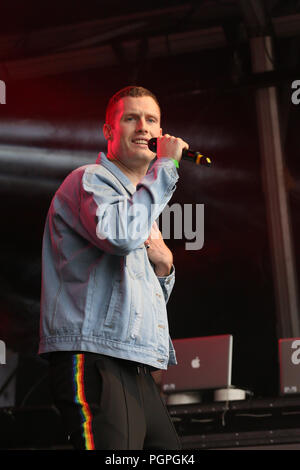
(289,365)
(204,363)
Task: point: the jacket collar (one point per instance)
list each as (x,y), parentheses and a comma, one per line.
(110,166)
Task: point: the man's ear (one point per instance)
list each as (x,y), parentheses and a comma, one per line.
(107,131)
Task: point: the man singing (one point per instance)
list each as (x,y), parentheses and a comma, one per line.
(106,278)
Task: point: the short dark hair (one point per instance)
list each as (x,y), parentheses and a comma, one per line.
(134,91)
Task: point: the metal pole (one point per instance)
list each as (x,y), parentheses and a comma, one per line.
(280,234)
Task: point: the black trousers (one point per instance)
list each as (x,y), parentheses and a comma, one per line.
(109,404)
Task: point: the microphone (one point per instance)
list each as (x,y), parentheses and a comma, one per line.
(187,154)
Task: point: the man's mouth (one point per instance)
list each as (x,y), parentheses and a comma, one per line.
(140,141)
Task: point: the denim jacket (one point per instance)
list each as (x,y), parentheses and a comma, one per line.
(99,290)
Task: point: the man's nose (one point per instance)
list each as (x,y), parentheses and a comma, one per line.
(141,125)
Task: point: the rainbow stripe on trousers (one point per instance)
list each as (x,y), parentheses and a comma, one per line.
(80,399)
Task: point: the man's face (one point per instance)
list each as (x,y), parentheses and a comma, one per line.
(136,121)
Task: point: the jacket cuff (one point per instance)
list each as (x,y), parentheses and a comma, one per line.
(167,283)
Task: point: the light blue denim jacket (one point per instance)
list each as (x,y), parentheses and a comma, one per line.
(99,290)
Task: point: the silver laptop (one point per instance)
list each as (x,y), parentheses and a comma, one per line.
(203,363)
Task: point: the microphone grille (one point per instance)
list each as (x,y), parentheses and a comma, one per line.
(152,144)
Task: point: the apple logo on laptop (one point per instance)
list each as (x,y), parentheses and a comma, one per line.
(195,363)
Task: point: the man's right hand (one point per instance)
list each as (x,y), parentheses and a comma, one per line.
(170,146)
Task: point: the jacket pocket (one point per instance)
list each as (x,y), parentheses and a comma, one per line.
(115,295)
(136,311)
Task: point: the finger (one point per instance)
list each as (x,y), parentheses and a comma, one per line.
(155,232)
(186,145)
(155,227)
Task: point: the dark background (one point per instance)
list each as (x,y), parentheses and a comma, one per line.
(52,123)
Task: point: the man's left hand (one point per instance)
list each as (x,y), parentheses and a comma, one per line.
(158,252)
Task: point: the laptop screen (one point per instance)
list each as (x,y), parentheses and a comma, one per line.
(203,363)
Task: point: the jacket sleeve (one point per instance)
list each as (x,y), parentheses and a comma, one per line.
(116,222)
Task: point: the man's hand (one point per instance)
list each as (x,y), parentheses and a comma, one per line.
(169,146)
(158,252)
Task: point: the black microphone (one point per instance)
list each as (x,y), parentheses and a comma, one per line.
(187,154)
